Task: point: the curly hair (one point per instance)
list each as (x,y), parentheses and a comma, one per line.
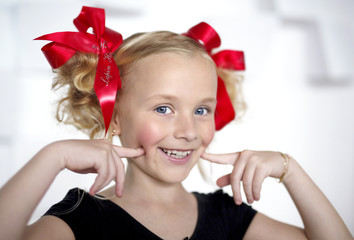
(80,107)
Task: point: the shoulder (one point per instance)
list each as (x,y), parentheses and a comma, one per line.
(81,212)
(53,224)
(68,204)
(92,217)
(80,205)
(76,200)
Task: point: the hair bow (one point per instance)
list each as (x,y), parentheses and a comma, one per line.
(228,59)
(102,42)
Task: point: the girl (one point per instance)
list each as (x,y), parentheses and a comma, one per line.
(161,95)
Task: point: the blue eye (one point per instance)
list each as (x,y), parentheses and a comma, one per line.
(163,110)
(201,111)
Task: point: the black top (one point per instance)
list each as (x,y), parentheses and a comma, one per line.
(92,218)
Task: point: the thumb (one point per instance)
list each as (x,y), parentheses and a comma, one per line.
(224,181)
(124,152)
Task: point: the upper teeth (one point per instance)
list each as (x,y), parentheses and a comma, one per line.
(176,154)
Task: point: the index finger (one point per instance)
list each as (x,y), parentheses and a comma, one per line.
(124,152)
(226,158)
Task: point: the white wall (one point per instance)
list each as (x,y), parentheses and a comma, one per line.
(298,85)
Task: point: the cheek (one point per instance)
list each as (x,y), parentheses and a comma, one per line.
(149,133)
(208,135)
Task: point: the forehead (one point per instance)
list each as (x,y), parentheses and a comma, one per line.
(172,69)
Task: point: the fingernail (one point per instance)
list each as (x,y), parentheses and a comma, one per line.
(92,193)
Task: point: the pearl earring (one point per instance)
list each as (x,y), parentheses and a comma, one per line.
(115,138)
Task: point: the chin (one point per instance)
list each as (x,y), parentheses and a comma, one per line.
(176,173)
(173,173)
(173,178)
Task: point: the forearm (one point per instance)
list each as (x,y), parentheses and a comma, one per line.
(20,196)
(320,219)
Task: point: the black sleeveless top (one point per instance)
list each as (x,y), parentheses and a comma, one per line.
(92,218)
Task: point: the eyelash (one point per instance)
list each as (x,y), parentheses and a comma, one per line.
(163,110)
(163,107)
(206,111)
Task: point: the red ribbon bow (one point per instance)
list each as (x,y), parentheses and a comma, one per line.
(228,59)
(102,42)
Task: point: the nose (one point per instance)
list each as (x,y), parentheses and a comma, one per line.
(185,128)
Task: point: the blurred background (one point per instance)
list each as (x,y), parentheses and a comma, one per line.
(299,86)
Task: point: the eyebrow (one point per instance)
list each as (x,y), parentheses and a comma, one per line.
(162,96)
(211,99)
(170,97)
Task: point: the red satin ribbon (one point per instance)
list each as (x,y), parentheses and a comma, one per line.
(228,59)
(102,42)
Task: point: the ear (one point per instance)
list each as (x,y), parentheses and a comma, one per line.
(115,125)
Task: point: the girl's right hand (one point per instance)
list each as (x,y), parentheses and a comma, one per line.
(96,156)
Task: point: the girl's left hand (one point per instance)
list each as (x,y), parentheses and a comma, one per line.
(250,167)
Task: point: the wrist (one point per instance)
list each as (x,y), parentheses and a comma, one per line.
(285,166)
(53,153)
(293,167)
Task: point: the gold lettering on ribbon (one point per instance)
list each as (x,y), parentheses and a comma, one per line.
(108,57)
(103,44)
(107,72)
(107,75)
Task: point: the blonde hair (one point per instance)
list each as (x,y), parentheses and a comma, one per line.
(80,106)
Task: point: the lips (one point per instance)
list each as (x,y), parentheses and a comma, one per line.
(176,153)
(177,156)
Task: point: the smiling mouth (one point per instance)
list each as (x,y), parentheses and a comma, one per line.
(176,153)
